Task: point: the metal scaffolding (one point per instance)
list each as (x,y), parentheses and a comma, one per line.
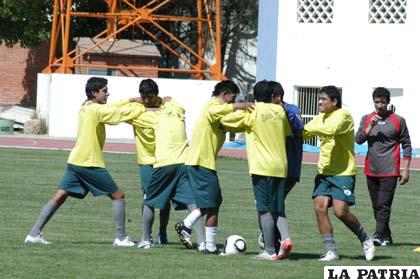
(136,16)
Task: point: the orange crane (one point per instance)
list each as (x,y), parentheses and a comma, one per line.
(124,14)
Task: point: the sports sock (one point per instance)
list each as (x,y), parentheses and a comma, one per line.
(283,228)
(192,217)
(148,217)
(211,233)
(329,242)
(46,213)
(198,226)
(164,218)
(267,226)
(118,212)
(361,234)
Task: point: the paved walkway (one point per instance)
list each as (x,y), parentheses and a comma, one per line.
(128,146)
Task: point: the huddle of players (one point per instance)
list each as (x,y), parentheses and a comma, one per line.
(185,175)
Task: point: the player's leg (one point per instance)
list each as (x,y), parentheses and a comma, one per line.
(386,191)
(373,187)
(211,230)
(35,236)
(148,218)
(164,215)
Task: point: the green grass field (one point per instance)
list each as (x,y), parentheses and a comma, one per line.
(82,231)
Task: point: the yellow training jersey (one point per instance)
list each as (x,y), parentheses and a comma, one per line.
(208,137)
(266,128)
(145,140)
(91,130)
(168,125)
(336,133)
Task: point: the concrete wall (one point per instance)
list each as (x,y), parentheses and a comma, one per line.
(350,53)
(60,96)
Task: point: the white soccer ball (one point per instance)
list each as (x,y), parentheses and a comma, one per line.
(234,245)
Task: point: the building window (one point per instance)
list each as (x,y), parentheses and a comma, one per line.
(102,72)
(387,11)
(315,11)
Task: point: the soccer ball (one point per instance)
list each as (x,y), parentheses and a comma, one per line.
(234,244)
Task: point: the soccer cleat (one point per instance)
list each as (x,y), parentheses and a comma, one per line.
(184,234)
(162,239)
(126,242)
(378,240)
(369,249)
(39,239)
(388,240)
(263,255)
(285,249)
(201,247)
(215,252)
(147,244)
(329,256)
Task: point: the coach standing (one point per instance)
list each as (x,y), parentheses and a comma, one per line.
(384,131)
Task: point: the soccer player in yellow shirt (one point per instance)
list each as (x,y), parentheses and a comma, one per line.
(336,178)
(266,128)
(86,170)
(169,179)
(145,146)
(207,139)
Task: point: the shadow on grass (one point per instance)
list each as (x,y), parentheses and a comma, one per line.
(404,244)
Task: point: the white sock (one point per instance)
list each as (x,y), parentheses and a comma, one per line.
(192,218)
(211,233)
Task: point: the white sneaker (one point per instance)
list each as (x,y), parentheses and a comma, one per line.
(329,256)
(145,244)
(201,247)
(369,249)
(39,239)
(126,242)
(263,255)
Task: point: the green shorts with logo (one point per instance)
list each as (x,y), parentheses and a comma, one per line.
(78,181)
(205,186)
(338,187)
(169,183)
(269,193)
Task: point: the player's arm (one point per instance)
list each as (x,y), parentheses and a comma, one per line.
(340,124)
(144,120)
(112,115)
(361,135)
(237,121)
(295,119)
(407,151)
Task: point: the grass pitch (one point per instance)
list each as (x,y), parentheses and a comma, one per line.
(82,231)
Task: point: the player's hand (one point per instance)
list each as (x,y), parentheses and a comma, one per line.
(153,109)
(136,99)
(404,177)
(243,105)
(166,99)
(375,120)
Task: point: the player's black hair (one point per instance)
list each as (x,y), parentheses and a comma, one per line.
(381,92)
(225,86)
(333,93)
(148,87)
(263,91)
(94,84)
(276,89)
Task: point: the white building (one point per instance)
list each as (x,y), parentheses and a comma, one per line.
(356,45)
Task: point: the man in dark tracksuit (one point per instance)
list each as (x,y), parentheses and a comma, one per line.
(384,131)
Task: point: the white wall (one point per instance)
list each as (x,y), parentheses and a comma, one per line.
(60,96)
(349,53)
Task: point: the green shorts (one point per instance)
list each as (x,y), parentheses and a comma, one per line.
(145,175)
(205,185)
(169,183)
(78,181)
(269,193)
(339,187)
